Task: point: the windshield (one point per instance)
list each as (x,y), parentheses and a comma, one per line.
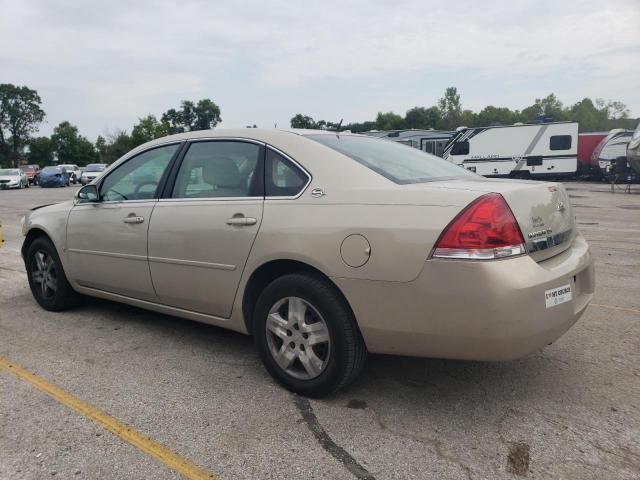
(9,171)
(51,170)
(94,168)
(399,163)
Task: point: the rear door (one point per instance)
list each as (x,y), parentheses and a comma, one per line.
(201,235)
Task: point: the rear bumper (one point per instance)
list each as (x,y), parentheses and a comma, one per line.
(493,310)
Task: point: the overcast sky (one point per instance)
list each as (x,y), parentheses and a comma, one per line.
(101,65)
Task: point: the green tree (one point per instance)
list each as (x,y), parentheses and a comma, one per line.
(302,121)
(450,109)
(389,121)
(116,145)
(191,116)
(20,115)
(590,118)
(421,117)
(41,151)
(71,147)
(545,108)
(491,115)
(147,129)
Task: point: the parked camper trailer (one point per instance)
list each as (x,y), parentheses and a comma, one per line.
(520,150)
(633,151)
(430,141)
(587,143)
(610,148)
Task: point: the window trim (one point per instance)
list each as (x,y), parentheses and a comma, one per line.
(167,192)
(297,164)
(161,184)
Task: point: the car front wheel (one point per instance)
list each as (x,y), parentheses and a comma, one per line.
(307,335)
(47,280)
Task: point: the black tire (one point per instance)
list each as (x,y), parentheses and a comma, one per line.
(64,297)
(347,353)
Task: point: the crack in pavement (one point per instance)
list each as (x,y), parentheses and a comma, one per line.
(327,443)
(434,443)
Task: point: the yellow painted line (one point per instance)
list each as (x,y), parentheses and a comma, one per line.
(613,307)
(148,446)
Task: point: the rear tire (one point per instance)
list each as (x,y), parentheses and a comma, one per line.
(47,280)
(307,335)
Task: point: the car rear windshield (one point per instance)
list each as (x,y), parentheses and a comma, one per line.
(399,163)
(94,168)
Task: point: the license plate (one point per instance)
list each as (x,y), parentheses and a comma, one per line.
(557,296)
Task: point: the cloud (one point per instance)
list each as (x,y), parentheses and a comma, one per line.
(103,64)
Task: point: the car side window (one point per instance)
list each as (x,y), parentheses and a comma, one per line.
(219,169)
(283,177)
(139,177)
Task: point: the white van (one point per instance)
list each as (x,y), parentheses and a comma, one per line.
(520,150)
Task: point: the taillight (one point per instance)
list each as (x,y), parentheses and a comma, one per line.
(484,230)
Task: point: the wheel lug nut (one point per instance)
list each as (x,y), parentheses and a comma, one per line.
(289,333)
(301,347)
(296,327)
(305,335)
(292,345)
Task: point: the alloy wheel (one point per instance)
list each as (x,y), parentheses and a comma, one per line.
(298,338)
(44,274)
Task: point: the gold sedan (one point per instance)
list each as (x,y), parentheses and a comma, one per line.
(323,246)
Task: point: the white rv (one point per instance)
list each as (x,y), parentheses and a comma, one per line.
(520,150)
(430,141)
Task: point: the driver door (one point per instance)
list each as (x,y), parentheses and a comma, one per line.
(107,240)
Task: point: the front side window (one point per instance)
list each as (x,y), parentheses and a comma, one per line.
(560,142)
(219,169)
(283,178)
(139,177)
(398,163)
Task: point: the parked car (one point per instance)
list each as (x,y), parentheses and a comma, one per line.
(32,172)
(13,178)
(91,172)
(323,246)
(73,171)
(53,177)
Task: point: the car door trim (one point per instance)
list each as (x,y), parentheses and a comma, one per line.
(193,263)
(127,256)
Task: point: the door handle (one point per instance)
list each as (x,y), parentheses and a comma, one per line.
(133,219)
(241,221)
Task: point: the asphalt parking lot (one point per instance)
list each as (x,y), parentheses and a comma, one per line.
(200,392)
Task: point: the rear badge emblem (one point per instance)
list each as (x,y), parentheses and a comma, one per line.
(561,207)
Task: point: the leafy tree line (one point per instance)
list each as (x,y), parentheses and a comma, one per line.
(21,114)
(448,114)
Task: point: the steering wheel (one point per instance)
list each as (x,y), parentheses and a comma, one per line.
(148,182)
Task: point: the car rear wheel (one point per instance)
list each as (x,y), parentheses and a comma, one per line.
(47,280)
(307,335)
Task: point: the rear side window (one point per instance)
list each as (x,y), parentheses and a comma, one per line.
(460,148)
(399,163)
(560,142)
(283,178)
(219,169)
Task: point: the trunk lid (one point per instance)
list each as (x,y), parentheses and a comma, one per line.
(542,209)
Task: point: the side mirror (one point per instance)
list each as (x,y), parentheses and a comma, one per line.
(87,194)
